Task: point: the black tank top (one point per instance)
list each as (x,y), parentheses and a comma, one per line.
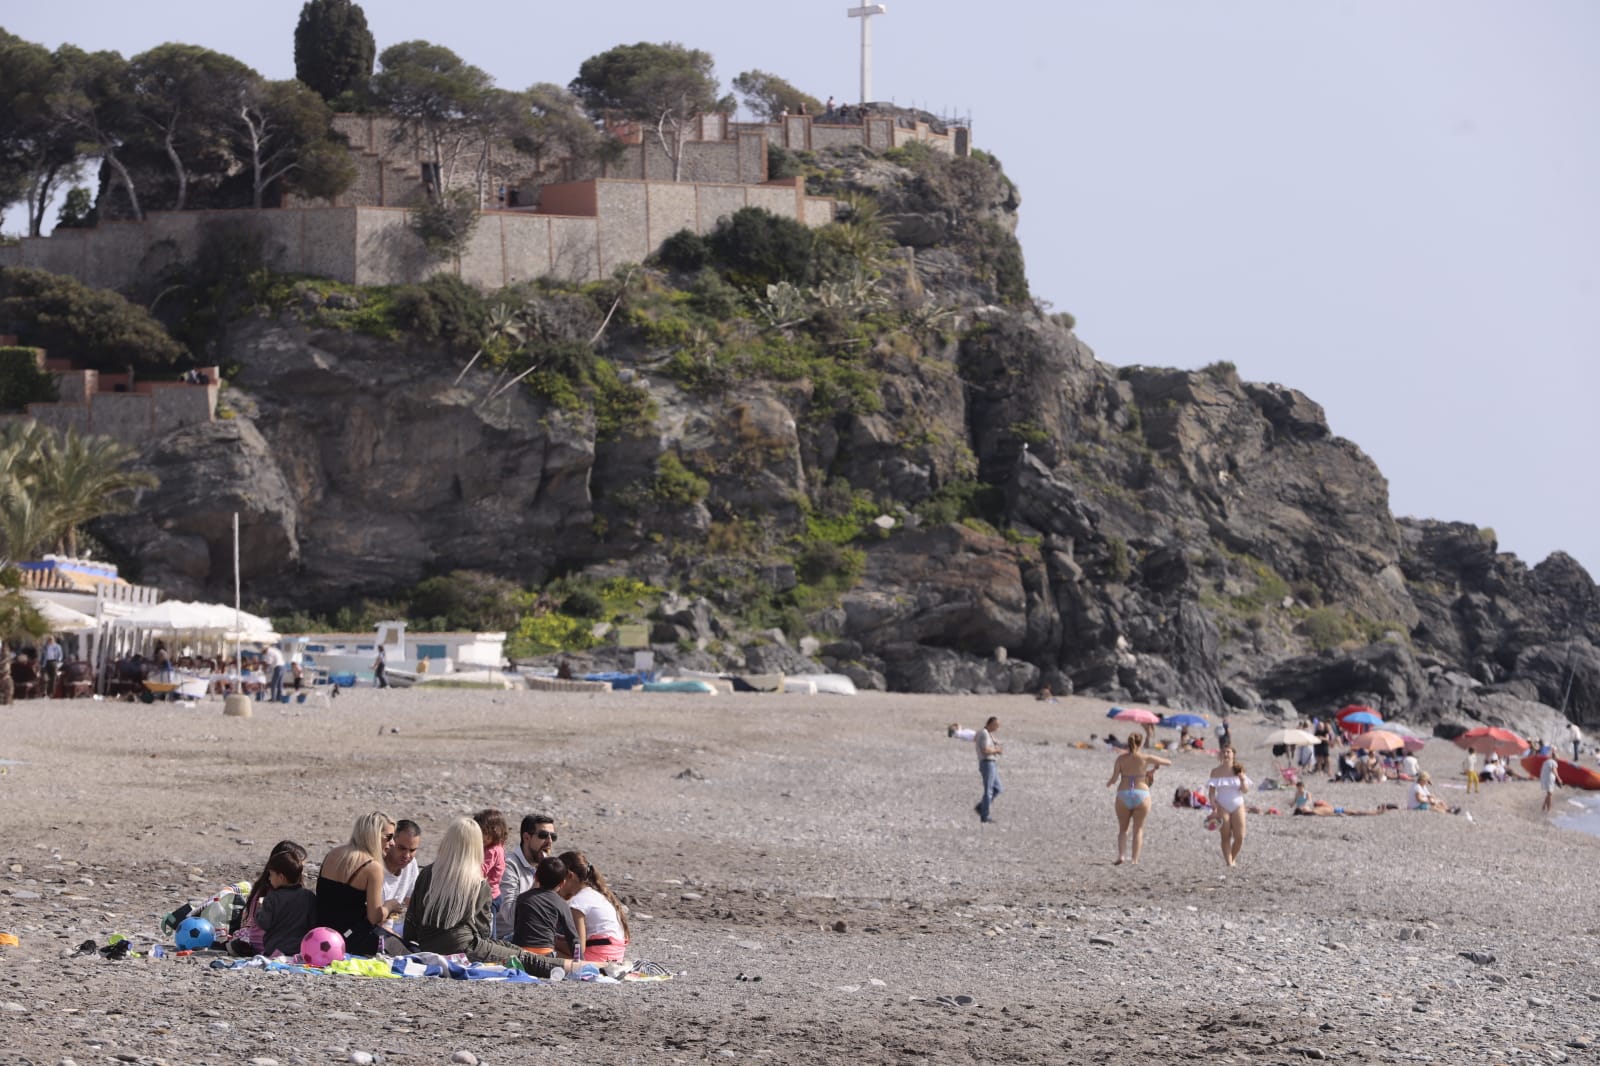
(343,907)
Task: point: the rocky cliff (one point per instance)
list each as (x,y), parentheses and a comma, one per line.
(1148,534)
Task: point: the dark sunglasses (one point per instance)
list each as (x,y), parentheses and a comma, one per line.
(545,834)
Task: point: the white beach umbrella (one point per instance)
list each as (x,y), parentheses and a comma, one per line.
(200,619)
(1294,738)
(173,616)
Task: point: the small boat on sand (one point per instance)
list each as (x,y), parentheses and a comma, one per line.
(1568,773)
(681,684)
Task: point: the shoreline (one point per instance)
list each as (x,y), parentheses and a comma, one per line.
(743,831)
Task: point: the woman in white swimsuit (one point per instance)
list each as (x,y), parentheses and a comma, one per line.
(1226,790)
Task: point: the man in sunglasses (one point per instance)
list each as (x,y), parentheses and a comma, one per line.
(400,870)
(538,840)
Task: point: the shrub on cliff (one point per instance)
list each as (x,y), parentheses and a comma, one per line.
(96,328)
(444,310)
(22,380)
(756,248)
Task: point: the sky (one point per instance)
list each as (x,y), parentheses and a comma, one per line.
(1391,205)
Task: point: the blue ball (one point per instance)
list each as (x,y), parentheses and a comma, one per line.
(194,934)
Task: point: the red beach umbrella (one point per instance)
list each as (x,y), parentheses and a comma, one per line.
(1492,738)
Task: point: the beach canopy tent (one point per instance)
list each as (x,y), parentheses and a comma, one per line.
(212,621)
(60,619)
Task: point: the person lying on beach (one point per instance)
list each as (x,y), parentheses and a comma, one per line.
(1324,809)
(955,732)
(1304,804)
(1192,798)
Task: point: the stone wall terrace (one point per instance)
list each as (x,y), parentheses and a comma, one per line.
(581,232)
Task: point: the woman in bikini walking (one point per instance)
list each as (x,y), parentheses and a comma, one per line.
(1226,790)
(1131,774)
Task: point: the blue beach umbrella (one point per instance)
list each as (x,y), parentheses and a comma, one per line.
(1178,721)
(1366,718)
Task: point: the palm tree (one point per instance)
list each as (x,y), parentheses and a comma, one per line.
(24,524)
(79,478)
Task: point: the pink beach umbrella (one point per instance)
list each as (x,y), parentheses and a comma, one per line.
(1134,714)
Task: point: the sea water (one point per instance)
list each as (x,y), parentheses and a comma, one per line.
(1581,814)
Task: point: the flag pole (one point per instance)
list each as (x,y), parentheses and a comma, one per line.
(238,656)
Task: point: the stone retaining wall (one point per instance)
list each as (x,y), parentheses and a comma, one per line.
(582,233)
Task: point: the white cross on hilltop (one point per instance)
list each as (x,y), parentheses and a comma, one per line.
(865,13)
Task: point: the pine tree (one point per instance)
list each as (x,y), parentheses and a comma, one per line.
(333,49)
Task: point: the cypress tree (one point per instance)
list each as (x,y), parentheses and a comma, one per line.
(333,49)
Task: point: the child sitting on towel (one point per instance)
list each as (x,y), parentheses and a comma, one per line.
(290,909)
(543,920)
(249,939)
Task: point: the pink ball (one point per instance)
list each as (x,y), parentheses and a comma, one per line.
(322,946)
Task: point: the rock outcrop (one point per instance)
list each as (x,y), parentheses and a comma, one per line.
(1171,536)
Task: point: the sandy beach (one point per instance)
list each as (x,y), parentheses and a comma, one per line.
(813,867)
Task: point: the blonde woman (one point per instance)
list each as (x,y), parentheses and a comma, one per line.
(350,885)
(451,904)
(1134,771)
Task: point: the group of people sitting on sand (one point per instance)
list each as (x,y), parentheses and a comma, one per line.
(521,907)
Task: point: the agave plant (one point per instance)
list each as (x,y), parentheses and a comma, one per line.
(786,304)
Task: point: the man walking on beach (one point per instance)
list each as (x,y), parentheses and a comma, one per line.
(1577,739)
(988,752)
(380,669)
(1469,766)
(538,838)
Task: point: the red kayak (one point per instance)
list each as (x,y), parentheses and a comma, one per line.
(1568,773)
